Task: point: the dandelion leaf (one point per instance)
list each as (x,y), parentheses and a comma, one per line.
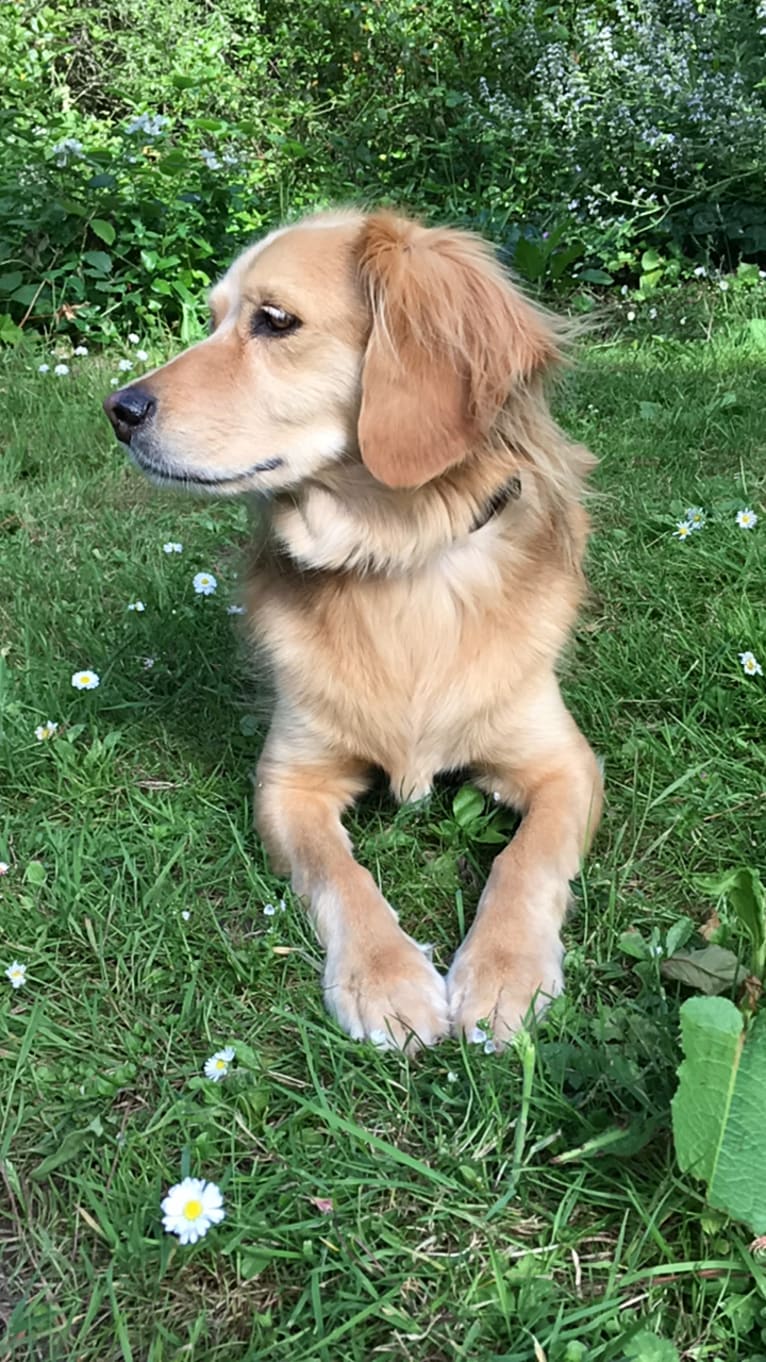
(719,1110)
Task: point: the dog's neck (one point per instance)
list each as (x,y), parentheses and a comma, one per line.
(348,522)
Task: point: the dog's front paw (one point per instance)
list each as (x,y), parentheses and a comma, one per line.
(387,992)
(497,986)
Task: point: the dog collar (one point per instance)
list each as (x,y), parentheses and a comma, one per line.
(510,491)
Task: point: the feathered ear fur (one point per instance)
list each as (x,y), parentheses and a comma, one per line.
(451,337)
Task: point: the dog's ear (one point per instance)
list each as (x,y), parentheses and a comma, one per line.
(450,339)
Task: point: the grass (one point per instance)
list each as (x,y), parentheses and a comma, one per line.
(455,1232)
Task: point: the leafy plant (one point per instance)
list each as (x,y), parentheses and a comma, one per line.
(719,1110)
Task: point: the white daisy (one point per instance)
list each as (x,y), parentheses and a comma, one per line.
(683,530)
(80,350)
(172,547)
(61,370)
(652,313)
(700,271)
(148,663)
(43,368)
(185,914)
(190,1208)
(137,605)
(747,519)
(124,364)
(205,584)
(85,680)
(631,316)
(235,610)
(452,1076)
(269,910)
(46,730)
(142,355)
(750,665)
(723,284)
(4,867)
(132,338)
(217,1066)
(114,382)
(17,974)
(695,517)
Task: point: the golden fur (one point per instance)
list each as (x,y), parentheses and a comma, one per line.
(399,635)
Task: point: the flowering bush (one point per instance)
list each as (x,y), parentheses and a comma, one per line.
(143,144)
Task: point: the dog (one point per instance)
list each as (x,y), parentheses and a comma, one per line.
(379,385)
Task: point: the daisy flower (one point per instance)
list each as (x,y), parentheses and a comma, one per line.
(172,547)
(17,974)
(631,316)
(124,364)
(747,519)
(683,529)
(132,338)
(217,1066)
(142,355)
(190,1208)
(60,370)
(205,584)
(137,605)
(148,663)
(235,610)
(46,730)
(43,368)
(4,867)
(80,350)
(185,914)
(85,680)
(750,665)
(695,517)
(269,910)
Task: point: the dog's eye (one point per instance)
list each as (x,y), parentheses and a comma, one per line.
(269,320)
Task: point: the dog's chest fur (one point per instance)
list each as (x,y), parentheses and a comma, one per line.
(416,673)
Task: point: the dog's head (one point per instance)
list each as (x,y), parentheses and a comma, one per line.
(345,336)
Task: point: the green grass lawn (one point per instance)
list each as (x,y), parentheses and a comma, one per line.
(135,897)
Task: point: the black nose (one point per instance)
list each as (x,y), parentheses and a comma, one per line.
(128,409)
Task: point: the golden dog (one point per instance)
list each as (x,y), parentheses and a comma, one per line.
(379,385)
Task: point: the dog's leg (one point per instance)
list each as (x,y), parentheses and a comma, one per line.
(377,981)
(511,957)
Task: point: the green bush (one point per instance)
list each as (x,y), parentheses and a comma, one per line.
(144,142)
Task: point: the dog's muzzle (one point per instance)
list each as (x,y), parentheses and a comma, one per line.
(129,410)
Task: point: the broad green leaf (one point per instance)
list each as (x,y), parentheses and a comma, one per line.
(35,873)
(650,410)
(467,805)
(529,259)
(104,230)
(633,944)
(99,260)
(711,969)
(647,1347)
(719,1110)
(595,276)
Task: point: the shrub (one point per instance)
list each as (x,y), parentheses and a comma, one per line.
(144,142)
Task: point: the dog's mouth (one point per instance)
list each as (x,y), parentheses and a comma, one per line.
(164,474)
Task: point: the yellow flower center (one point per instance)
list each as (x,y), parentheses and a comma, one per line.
(193,1209)
(220,1064)
(85,678)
